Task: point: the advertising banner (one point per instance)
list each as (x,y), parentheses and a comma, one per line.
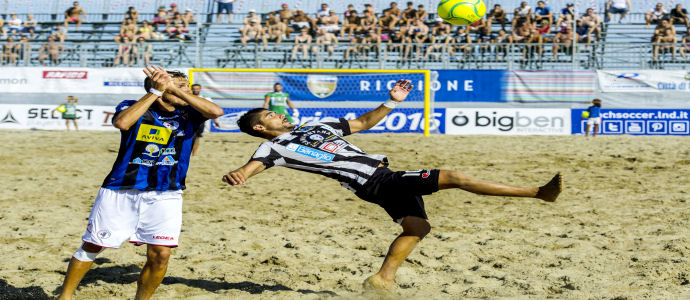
(347,86)
(72,80)
(651,81)
(468,86)
(508,121)
(637,121)
(27,116)
(549,86)
(400,120)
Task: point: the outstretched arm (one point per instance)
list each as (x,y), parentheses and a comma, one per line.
(397,94)
(241,175)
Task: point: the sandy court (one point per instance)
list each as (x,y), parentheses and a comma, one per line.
(619,230)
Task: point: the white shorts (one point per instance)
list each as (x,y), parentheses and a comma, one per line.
(143,217)
(596,121)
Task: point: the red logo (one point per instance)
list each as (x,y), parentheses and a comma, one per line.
(161,237)
(426,174)
(330,147)
(65,74)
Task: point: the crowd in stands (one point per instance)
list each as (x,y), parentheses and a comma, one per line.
(132,38)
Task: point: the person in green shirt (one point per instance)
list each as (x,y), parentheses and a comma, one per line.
(278,102)
(70,113)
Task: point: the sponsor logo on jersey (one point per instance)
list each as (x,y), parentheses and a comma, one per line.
(167,161)
(151,150)
(163,237)
(143,162)
(172,125)
(316,137)
(322,86)
(310,152)
(103,234)
(65,74)
(330,147)
(168,151)
(153,134)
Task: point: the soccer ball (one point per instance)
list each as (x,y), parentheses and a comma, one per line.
(585,114)
(461,12)
(61,108)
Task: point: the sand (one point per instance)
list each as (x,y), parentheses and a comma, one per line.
(619,230)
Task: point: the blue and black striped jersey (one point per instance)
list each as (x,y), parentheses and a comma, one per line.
(154,153)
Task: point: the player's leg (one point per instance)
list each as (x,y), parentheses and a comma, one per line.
(587,129)
(76,127)
(67,124)
(453,179)
(77,269)
(414,229)
(153,272)
(195,146)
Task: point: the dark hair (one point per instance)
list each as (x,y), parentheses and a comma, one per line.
(247,121)
(196,84)
(148,83)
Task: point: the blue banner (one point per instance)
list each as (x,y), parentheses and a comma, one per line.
(400,120)
(348,87)
(469,86)
(637,121)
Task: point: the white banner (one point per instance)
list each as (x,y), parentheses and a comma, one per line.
(508,121)
(644,81)
(27,116)
(73,80)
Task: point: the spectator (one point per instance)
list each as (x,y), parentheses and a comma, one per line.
(30,25)
(301,20)
(9,54)
(142,52)
(563,40)
(368,22)
(2,28)
(276,30)
(14,24)
(409,14)
(367,7)
(685,47)
(73,14)
(497,14)
(527,34)
(177,27)
(372,42)
(351,25)
(188,16)
(655,15)
(440,28)
(173,10)
(23,49)
(664,38)
(145,31)
(124,52)
(419,33)
(543,28)
(521,14)
(50,50)
(393,10)
(679,15)
(325,39)
(285,14)
(621,7)
(131,14)
(421,13)
(542,12)
(398,42)
(440,38)
(252,16)
(127,30)
(583,31)
(567,14)
(354,47)
(593,21)
(60,33)
(387,23)
(161,17)
(302,42)
(501,42)
(477,26)
(462,42)
(330,22)
(253,32)
(350,9)
(484,40)
(224,6)
(323,11)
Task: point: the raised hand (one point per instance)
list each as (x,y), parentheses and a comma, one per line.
(401,89)
(161,79)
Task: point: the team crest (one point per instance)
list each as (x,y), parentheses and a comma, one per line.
(152,150)
(322,86)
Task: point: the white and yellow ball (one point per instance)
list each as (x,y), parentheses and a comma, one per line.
(461,12)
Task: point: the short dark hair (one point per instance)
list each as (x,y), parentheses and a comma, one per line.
(247,121)
(196,84)
(148,83)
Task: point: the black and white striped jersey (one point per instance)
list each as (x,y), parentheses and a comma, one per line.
(319,147)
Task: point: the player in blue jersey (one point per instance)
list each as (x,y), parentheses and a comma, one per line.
(594,117)
(141,198)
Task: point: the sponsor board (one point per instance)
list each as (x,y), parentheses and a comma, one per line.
(399,120)
(468,86)
(637,121)
(38,116)
(654,81)
(508,121)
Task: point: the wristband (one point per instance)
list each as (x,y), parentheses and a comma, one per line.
(295,113)
(155,92)
(390,104)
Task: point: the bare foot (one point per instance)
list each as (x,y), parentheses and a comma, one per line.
(550,191)
(377,284)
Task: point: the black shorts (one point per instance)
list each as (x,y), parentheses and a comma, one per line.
(400,193)
(200,131)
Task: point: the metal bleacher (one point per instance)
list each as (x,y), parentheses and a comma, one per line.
(625,45)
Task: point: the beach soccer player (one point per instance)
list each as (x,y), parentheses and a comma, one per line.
(319,147)
(278,102)
(594,113)
(141,198)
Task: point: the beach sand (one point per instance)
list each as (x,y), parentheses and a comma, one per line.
(619,229)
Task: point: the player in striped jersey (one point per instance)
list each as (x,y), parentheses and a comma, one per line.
(320,147)
(141,198)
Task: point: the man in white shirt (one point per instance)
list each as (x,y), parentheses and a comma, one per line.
(621,7)
(323,12)
(14,24)
(655,14)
